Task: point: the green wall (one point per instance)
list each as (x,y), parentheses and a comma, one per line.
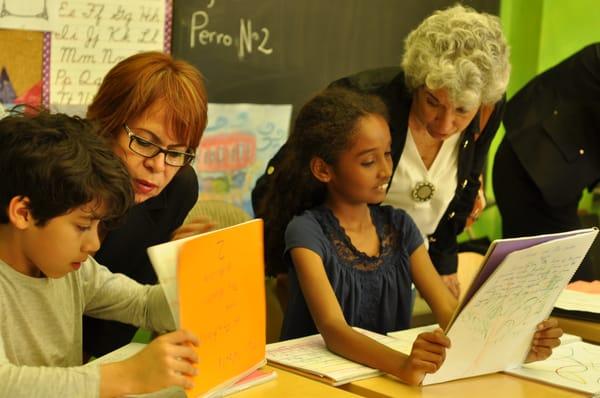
(541,33)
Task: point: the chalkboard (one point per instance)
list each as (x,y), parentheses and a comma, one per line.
(283,51)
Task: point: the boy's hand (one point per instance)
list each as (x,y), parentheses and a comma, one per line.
(544,340)
(167,361)
(196,226)
(427,355)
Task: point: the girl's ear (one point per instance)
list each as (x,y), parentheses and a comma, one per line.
(321,169)
(19,213)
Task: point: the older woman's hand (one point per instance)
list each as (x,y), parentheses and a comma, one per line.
(196,226)
(544,340)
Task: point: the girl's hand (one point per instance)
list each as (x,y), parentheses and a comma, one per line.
(167,361)
(427,355)
(196,226)
(544,340)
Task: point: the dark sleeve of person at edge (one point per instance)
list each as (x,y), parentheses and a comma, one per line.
(123,250)
(551,150)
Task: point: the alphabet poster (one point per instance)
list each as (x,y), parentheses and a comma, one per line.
(91,37)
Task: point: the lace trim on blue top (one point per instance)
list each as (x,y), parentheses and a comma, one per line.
(347,252)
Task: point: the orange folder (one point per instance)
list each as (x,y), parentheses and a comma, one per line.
(222,300)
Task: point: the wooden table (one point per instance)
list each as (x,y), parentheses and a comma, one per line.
(497,385)
(589,331)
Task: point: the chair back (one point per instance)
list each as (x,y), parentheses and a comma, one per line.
(222,213)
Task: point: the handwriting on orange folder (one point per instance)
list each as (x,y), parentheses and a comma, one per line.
(222,300)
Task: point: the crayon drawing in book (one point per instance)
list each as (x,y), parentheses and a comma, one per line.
(492,330)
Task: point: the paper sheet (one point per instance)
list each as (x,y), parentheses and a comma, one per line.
(575,365)
(578,301)
(408,337)
(164,259)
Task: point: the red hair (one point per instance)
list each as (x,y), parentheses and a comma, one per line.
(132,86)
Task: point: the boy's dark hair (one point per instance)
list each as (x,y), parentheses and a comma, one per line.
(323,128)
(59,163)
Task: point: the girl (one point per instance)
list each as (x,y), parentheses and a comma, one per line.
(352,263)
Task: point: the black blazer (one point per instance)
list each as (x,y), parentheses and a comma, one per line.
(389,84)
(123,250)
(553,126)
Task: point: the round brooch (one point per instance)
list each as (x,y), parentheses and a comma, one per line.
(423,191)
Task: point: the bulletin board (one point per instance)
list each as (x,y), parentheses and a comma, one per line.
(21,60)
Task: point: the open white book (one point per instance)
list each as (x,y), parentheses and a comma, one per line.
(310,357)
(514,290)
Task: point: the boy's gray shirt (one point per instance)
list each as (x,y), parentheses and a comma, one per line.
(40,327)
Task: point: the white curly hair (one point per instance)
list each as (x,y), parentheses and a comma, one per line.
(462,51)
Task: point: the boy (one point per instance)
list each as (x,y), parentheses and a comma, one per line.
(60,182)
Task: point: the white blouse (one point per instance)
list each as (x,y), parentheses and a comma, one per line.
(411,171)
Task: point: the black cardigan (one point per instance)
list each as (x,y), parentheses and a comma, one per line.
(389,85)
(123,250)
(553,125)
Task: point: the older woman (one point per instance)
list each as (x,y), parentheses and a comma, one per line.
(153,110)
(445,104)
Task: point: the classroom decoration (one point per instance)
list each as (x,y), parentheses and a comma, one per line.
(235,148)
(7,92)
(90,38)
(29,14)
(514,291)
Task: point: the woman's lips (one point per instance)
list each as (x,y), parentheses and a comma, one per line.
(143,186)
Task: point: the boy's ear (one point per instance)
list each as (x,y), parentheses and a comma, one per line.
(18,212)
(321,169)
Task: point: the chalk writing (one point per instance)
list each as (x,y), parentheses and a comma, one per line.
(94,35)
(247,40)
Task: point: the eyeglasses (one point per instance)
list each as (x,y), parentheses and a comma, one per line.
(149,149)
